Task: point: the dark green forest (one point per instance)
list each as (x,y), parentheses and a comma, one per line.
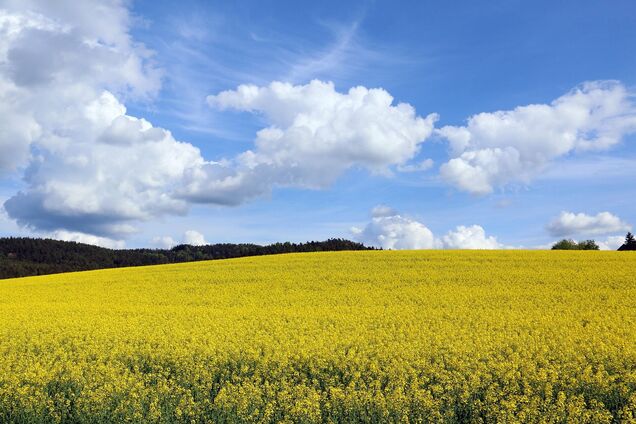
(21,257)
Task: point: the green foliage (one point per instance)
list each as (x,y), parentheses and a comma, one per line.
(22,257)
(569,244)
(588,245)
(630,243)
(565,244)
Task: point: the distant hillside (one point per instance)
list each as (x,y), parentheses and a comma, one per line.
(21,257)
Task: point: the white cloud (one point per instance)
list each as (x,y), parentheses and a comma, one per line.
(315,134)
(471,237)
(91,168)
(395,232)
(87,239)
(390,230)
(163,242)
(194,238)
(67,43)
(496,149)
(109,170)
(569,223)
(611,243)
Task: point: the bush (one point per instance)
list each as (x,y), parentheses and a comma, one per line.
(588,245)
(565,244)
(568,244)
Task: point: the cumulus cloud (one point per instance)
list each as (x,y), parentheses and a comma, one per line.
(194,238)
(611,243)
(395,232)
(495,149)
(470,237)
(90,167)
(106,172)
(68,43)
(569,223)
(315,134)
(390,230)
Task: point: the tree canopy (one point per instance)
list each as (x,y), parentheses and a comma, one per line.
(568,244)
(630,242)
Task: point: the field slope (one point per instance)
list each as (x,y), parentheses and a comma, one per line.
(429,336)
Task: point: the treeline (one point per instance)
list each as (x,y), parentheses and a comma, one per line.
(568,244)
(21,257)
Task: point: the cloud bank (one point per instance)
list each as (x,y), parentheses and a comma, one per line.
(611,243)
(390,230)
(496,149)
(581,225)
(395,232)
(570,224)
(470,237)
(92,168)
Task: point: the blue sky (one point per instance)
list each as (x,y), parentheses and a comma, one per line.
(460,59)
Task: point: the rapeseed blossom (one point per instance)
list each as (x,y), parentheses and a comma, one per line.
(379,336)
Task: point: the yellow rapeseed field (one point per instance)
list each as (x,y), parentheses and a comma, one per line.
(426,336)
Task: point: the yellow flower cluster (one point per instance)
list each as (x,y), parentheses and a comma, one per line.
(379,336)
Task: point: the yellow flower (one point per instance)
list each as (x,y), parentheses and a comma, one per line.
(428,336)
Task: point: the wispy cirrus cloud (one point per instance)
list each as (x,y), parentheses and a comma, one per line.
(338,59)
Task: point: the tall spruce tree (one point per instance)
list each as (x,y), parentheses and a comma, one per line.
(630,242)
